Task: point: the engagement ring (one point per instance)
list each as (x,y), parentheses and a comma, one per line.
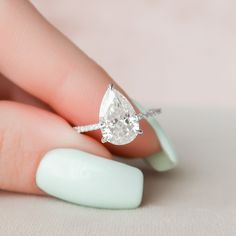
(118,121)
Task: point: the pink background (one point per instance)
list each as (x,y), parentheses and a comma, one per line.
(164,53)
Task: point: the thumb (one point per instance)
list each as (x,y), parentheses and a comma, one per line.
(40,153)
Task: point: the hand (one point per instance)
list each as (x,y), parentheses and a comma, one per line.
(50,86)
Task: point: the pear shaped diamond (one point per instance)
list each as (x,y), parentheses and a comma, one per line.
(117,117)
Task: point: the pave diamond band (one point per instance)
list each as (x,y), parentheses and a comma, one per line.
(140,116)
(118,121)
(87,128)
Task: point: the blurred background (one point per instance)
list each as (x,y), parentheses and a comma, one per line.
(163,52)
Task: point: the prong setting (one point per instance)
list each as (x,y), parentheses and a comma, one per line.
(110,86)
(139,131)
(104,140)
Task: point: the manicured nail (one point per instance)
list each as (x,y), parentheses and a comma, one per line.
(166,159)
(85,179)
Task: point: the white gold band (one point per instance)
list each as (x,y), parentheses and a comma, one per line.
(97,126)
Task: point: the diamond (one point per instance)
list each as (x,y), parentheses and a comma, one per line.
(119,122)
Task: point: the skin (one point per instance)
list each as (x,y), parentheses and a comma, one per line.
(46,84)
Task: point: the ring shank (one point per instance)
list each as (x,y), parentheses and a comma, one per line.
(140,116)
(87,128)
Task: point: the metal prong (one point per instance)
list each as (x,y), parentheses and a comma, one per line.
(104,140)
(139,131)
(101,124)
(111,86)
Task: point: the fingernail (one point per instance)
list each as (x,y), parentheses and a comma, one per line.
(166,159)
(85,179)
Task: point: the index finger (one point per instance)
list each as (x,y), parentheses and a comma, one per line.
(42,61)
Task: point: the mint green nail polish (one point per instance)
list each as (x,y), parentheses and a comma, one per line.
(89,180)
(166,159)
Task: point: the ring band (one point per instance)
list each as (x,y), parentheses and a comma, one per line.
(97,126)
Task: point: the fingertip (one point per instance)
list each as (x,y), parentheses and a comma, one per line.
(26,134)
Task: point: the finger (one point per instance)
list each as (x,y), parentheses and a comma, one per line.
(30,159)
(5,88)
(12,92)
(46,64)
